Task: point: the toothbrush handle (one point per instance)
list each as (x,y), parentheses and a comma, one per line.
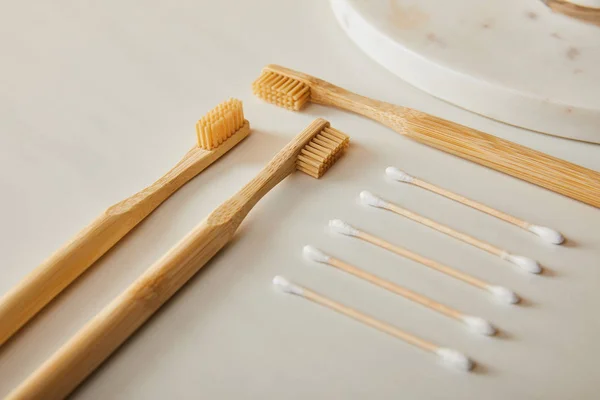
(80,356)
(583,13)
(530,165)
(97,340)
(57,272)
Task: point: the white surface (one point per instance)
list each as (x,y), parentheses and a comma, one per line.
(511,60)
(100,99)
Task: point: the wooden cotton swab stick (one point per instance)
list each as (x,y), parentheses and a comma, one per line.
(447,356)
(526,263)
(549,235)
(501,293)
(475,324)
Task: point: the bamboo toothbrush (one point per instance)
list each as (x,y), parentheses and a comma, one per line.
(217,133)
(499,292)
(526,263)
(475,324)
(313,151)
(291,89)
(549,235)
(581,12)
(448,357)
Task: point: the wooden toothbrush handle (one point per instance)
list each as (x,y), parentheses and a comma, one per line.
(580,12)
(45,282)
(97,340)
(80,356)
(530,165)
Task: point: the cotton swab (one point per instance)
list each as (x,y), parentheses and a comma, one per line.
(501,293)
(475,324)
(448,357)
(549,235)
(526,263)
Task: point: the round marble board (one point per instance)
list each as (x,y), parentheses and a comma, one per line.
(511,60)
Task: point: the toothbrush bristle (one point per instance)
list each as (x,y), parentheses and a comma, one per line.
(281,90)
(322,152)
(219,124)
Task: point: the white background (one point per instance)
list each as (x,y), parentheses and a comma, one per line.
(99,99)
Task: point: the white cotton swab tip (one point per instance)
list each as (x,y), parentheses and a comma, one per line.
(549,235)
(398,175)
(526,263)
(314,254)
(479,325)
(370,199)
(286,285)
(454,359)
(339,226)
(503,294)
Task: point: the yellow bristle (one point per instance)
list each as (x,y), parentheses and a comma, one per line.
(219,124)
(322,152)
(281,90)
